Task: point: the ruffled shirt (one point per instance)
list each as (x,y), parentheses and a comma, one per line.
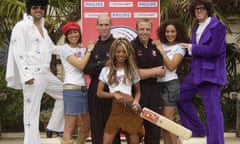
(29,52)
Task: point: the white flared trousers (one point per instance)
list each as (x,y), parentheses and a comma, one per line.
(50,84)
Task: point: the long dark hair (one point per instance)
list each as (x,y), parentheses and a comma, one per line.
(182,35)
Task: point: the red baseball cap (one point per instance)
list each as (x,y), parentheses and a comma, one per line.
(70,25)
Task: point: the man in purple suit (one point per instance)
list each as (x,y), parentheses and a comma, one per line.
(207,74)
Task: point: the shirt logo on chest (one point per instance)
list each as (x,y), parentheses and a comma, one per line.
(78,54)
(139,53)
(120,78)
(154,53)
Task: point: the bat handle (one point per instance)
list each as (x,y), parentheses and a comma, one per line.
(138,109)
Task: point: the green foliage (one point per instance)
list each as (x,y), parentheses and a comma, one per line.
(229,113)
(11,108)
(228,105)
(45,115)
(200,107)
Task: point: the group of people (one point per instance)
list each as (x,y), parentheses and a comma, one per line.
(125,76)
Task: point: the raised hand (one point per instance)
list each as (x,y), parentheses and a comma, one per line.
(91,45)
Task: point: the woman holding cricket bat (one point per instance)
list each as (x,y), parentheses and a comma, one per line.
(121,74)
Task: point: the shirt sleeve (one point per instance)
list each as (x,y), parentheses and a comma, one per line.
(65,52)
(103,75)
(180,50)
(54,48)
(18,45)
(136,79)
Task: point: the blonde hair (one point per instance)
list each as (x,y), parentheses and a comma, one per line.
(146,20)
(130,67)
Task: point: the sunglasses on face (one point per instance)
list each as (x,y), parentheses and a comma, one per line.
(38,7)
(200,8)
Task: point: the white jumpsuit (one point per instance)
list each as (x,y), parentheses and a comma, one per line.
(29,58)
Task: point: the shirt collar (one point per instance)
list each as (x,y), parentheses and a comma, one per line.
(29,19)
(206,21)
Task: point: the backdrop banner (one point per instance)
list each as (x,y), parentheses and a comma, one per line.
(124,14)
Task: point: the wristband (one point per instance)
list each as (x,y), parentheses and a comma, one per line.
(89,51)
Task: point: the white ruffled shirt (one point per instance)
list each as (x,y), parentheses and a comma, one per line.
(28,50)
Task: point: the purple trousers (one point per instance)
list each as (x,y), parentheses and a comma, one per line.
(210,94)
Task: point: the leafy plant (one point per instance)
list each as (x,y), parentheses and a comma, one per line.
(11,108)
(45,115)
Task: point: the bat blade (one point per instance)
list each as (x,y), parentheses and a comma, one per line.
(165,123)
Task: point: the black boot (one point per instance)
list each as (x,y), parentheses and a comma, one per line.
(60,134)
(49,133)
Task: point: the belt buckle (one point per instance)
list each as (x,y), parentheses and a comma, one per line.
(83,88)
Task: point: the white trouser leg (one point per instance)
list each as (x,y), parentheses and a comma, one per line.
(32,101)
(55,90)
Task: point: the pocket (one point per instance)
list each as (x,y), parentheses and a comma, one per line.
(173,92)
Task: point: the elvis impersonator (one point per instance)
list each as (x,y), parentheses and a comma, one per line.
(28,68)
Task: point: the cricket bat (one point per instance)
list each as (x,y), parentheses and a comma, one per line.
(164,122)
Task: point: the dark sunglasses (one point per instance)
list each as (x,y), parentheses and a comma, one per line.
(200,8)
(38,7)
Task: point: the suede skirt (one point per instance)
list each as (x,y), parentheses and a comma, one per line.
(124,119)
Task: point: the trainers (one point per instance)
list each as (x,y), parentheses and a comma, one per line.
(60,134)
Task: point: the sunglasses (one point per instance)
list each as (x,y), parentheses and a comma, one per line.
(38,7)
(200,8)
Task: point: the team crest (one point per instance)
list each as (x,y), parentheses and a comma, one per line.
(154,53)
(139,52)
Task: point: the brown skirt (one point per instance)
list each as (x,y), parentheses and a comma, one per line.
(124,119)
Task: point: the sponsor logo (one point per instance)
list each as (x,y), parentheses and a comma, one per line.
(121,15)
(123,31)
(93,4)
(147,4)
(120,4)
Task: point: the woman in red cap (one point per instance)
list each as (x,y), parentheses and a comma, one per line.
(74,57)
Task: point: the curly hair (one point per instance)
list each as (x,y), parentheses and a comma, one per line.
(207,3)
(182,35)
(130,67)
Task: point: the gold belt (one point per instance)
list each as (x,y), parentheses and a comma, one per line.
(74,87)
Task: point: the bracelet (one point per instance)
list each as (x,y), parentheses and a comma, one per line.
(89,51)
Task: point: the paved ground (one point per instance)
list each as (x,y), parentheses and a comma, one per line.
(17,138)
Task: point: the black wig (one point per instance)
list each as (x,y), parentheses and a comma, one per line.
(31,3)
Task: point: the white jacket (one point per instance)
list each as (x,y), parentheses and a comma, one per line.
(29,52)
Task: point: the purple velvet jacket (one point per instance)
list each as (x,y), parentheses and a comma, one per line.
(209,55)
